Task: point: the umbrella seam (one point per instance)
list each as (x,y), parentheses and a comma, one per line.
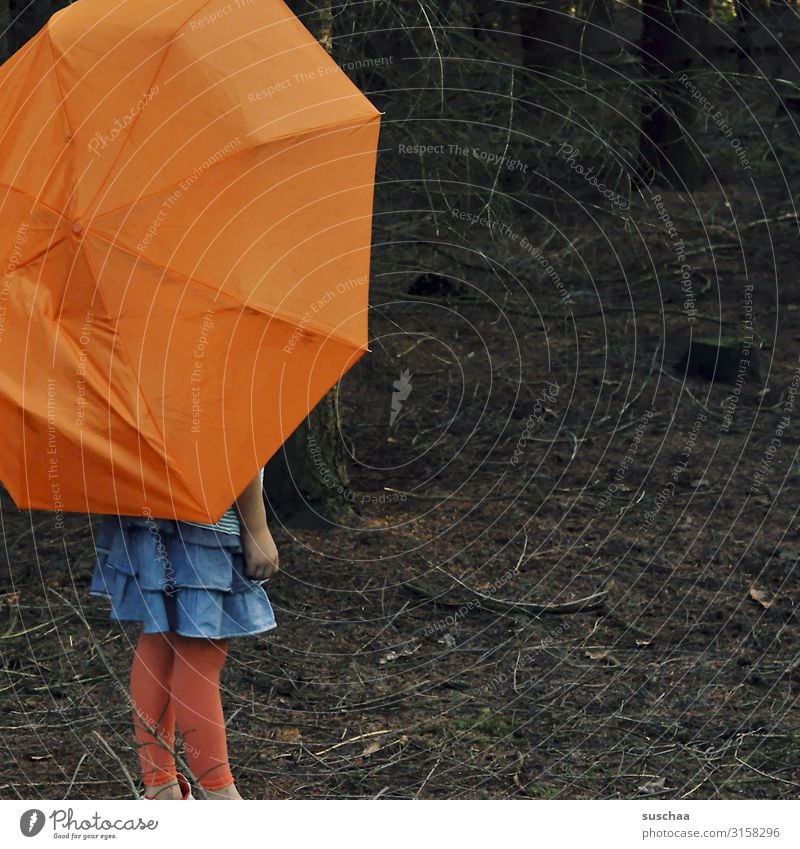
(159,449)
(234,302)
(361,122)
(234,154)
(28,195)
(63,111)
(32,259)
(129,135)
(63,103)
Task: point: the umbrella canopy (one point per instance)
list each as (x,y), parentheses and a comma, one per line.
(186,198)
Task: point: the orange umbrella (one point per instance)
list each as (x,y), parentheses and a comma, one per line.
(186,198)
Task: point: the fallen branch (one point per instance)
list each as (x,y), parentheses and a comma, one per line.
(589,602)
(112,754)
(354,740)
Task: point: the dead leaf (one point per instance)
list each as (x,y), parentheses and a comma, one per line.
(764,599)
(373,747)
(289,735)
(376,522)
(653,786)
(596,655)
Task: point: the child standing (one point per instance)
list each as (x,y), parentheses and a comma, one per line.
(192,586)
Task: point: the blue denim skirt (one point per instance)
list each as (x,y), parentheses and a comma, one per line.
(173,576)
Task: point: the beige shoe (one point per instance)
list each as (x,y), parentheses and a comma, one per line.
(183,783)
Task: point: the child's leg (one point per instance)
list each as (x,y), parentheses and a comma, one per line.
(198,708)
(153,713)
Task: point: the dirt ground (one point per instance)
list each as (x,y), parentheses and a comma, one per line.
(575,572)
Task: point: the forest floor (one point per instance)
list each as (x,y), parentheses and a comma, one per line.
(609,612)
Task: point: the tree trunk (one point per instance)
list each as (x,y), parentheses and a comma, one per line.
(306,482)
(597,34)
(491,20)
(764,42)
(668,155)
(549,34)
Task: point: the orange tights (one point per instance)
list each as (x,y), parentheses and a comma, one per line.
(175,680)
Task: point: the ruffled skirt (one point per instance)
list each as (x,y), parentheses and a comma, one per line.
(172,576)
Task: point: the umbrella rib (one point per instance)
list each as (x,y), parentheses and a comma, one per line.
(58,79)
(315,328)
(225,159)
(157,447)
(43,252)
(47,206)
(35,200)
(129,135)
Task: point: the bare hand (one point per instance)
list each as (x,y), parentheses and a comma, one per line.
(260,555)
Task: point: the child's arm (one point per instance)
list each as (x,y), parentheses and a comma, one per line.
(260,551)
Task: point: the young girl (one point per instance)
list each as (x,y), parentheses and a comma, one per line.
(192,586)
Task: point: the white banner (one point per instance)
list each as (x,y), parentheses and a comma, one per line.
(382,823)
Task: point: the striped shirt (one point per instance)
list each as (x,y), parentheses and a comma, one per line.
(229,523)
